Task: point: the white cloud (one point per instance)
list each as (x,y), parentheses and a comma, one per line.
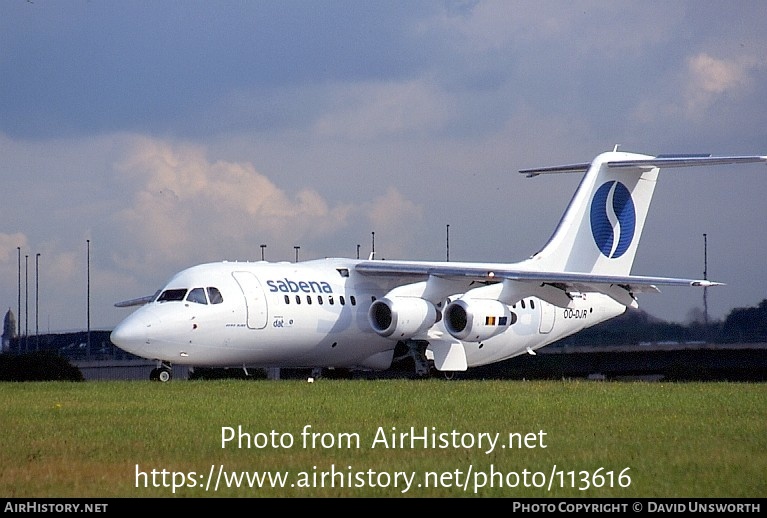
(704,83)
(183,204)
(710,79)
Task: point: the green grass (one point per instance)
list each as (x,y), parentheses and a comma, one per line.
(676,439)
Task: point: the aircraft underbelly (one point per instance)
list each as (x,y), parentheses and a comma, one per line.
(278,346)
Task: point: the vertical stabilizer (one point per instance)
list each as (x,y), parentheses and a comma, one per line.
(600,230)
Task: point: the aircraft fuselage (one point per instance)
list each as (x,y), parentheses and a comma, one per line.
(311,314)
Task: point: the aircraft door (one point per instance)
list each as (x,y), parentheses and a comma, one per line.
(548,313)
(255,299)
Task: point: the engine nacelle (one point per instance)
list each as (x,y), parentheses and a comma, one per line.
(401,317)
(474,320)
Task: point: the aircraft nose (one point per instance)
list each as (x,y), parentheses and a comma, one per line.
(131,334)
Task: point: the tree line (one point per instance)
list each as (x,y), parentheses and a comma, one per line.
(741,325)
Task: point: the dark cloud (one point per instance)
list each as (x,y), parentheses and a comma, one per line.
(110,66)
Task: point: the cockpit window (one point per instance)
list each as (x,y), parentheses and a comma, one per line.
(171,295)
(215,296)
(197,295)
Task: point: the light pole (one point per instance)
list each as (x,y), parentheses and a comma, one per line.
(37,302)
(447,242)
(262,251)
(358,251)
(374,245)
(297,248)
(88,299)
(18,317)
(26,302)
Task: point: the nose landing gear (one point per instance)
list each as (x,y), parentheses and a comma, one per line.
(162,373)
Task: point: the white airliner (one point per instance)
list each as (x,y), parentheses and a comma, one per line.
(347,313)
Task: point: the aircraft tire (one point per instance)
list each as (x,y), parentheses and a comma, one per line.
(164,375)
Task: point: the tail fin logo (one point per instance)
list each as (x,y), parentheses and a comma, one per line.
(613,219)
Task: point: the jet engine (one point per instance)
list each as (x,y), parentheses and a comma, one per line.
(402,317)
(475,320)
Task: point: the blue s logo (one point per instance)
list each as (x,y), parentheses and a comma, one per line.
(613,219)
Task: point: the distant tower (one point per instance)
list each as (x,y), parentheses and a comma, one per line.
(9,331)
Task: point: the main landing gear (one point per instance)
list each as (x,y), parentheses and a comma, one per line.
(415,351)
(162,372)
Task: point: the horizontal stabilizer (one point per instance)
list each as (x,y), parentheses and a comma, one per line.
(572,168)
(665,161)
(662,161)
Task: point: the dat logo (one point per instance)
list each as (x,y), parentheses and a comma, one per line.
(613,219)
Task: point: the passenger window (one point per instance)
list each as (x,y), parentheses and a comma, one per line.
(341,300)
(171,295)
(197,295)
(330,300)
(353,300)
(298,299)
(215,296)
(532,304)
(522,302)
(308,299)
(319,299)
(287,299)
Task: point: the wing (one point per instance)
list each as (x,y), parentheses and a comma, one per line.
(554,287)
(137,302)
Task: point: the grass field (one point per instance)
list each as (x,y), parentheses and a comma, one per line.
(602,439)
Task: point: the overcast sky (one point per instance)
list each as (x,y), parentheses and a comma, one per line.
(172,133)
